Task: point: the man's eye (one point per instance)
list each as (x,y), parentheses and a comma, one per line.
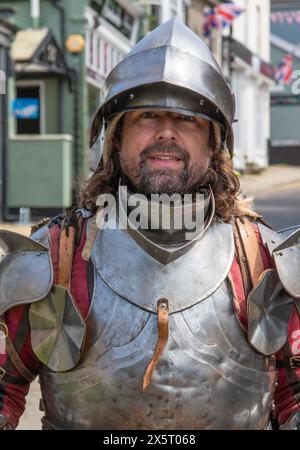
(188,118)
(148,115)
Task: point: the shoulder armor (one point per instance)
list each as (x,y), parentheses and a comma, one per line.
(269,309)
(26,273)
(270,302)
(269,237)
(287,260)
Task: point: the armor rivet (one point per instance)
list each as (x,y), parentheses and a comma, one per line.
(163,306)
(243,258)
(217,110)
(273,242)
(202,102)
(131,96)
(280,253)
(115,101)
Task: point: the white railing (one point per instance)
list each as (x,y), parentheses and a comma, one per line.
(102,54)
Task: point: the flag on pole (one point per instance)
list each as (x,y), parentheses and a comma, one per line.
(284,71)
(221,16)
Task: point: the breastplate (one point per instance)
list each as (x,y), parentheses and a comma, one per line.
(208,377)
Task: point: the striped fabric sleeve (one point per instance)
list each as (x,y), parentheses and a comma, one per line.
(287,395)
(13,386)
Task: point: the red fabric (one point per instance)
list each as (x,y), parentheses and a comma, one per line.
(237,279)
(79,286)
(79,280)
(286,398)
(12,396)
(241,310)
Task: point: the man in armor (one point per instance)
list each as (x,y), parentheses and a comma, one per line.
(154,327)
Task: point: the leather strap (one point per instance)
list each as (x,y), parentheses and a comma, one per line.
(240,254)
(163,334)
(65,256)
(16,360)
(90,238)
(248,252)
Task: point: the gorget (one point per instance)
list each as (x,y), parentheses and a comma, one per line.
(164,240)
(208,377)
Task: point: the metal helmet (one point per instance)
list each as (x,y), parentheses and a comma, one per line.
(170,69)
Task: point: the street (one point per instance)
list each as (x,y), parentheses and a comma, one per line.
(281,207)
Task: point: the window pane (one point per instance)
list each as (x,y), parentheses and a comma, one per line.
(28,126)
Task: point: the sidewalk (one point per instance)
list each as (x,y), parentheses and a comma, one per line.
(273,177)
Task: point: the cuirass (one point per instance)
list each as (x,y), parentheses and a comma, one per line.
(208,377)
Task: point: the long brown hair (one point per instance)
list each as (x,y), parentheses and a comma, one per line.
(220,176)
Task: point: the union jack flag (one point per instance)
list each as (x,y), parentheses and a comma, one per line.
(284,71)
(221,16)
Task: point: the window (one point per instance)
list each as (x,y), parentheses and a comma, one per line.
(32,123)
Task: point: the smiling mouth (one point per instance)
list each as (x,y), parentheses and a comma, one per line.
(165,157)
(165,161)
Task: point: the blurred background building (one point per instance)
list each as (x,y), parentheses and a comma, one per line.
(7,30)
(61,53)
(285,101)
(251,78)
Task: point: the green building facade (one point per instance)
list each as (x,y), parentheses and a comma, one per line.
(61,53)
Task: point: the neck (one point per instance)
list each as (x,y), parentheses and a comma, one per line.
(167,220)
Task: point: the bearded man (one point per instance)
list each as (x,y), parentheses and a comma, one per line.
(147,327)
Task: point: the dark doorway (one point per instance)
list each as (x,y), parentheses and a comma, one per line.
(29,126)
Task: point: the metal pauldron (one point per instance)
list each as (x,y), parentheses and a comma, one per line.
(270,303)
(28,258)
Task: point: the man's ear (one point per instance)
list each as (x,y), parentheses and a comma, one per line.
(117,143)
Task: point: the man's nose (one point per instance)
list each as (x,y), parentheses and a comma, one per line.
(167,130)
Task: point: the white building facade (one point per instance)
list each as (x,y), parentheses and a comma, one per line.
(159,11)
(251,80)
(111,33)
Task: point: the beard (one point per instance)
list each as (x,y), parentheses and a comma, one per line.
(147,180)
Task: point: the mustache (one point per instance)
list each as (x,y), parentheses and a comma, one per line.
(169,147)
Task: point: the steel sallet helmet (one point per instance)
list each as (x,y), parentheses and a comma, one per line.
(170,69)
